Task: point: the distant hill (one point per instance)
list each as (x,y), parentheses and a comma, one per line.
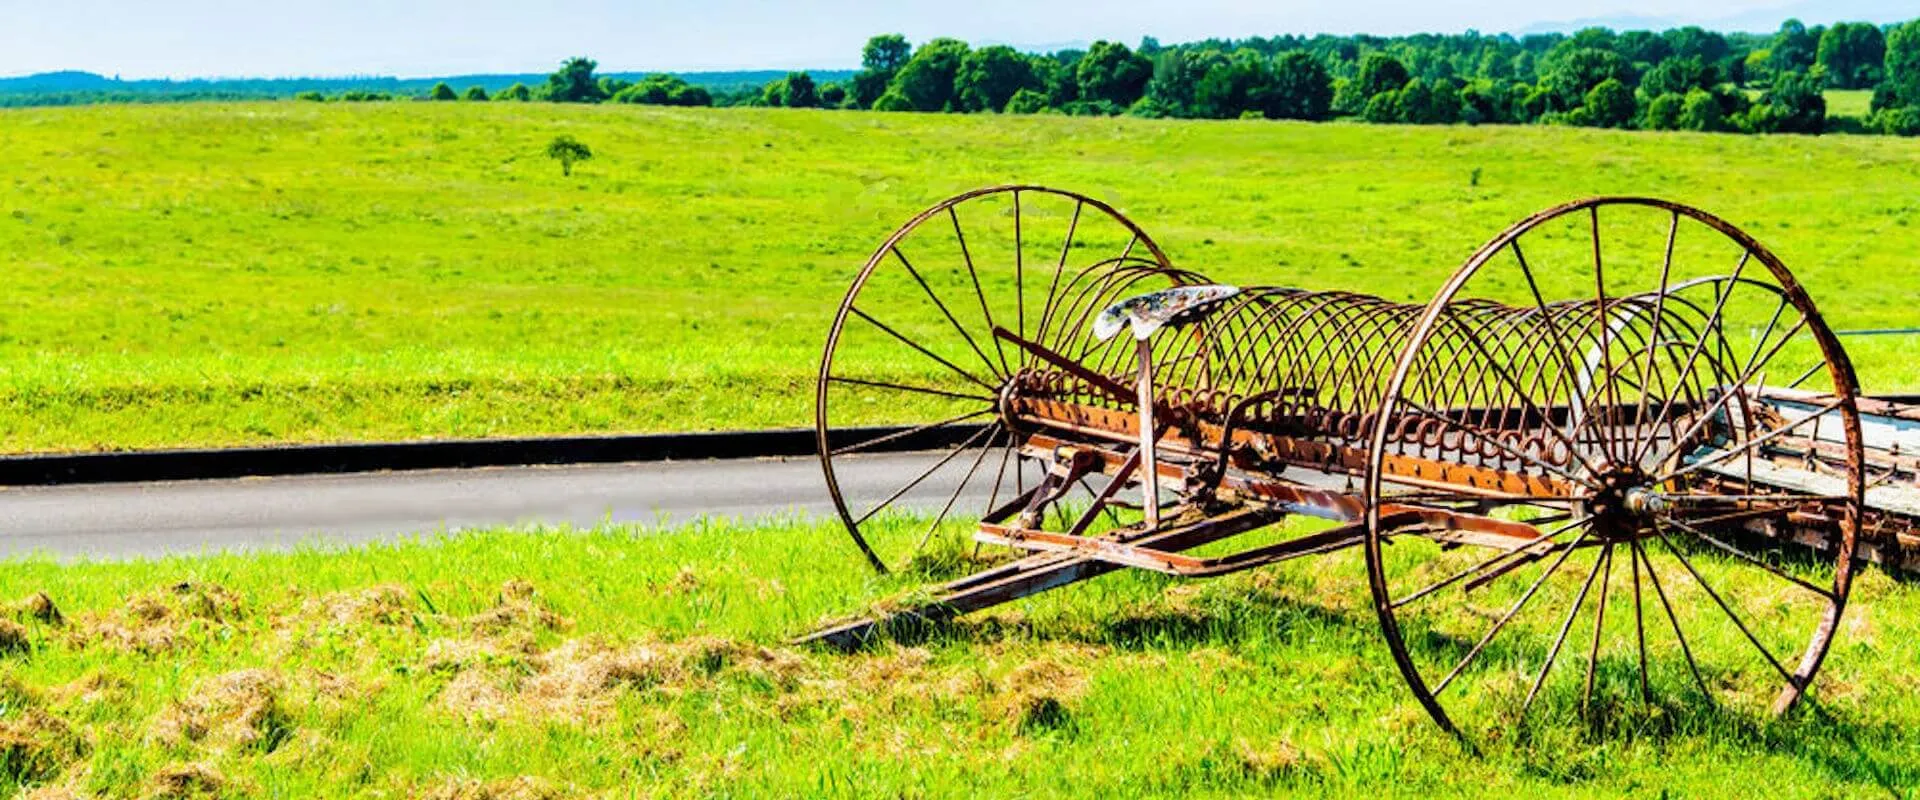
(72,87)
(1760,20)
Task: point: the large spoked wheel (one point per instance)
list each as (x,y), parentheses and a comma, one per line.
(913,361)
(1626,426)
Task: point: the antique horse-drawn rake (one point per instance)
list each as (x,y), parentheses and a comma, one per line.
(1620,415)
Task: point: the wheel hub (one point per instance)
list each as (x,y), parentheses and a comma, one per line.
(1624,504)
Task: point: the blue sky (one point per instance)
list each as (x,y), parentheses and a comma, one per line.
(204,38)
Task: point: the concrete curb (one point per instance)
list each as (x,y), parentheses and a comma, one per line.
(178,465)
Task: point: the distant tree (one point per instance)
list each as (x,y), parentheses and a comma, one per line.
(517,93)
(989,77)
(1898,121)
(1113,73)
(926,80)
(610,86)
(1301,88)
(880,60)
(568,151)
(800,91)
(660,89)
(1793,48)
(1793,104)
(685,94)
(1380,72)
(1057,78)
(1702,112)
(893,101)
(1642,47)
(1692,40)
(833,95)
(574,82)
(1383,107)
(312,97)
(1678,76)
(1027,101)
(774,93)
(1609,105)
(477,94)
(1903,63)
(1577,71)
(1663,112)
(1177,75)
(1853,55)
(441,91)
(1757,67)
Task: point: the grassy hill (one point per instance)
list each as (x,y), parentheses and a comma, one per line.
(226,273)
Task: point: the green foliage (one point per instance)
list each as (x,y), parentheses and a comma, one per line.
(1853,55)
(1664,112)
(1903,64)
(833,95)
(1679,76)
(477,94)
(568,151)
(990,76)
(893,101)
(574,82)
(799,91)
(1609,105)
(311,97)
(926,81)
(1421,102)
(1176,78)
(1703,112)
(1113,73)
(661,89)
(1383,108)
(1027,101)
(1898,121)
(1300,89)
(442,92)
(886,53)
(1579,70)
(1793,49)
(1791,105)
(1379,73)
(518,93)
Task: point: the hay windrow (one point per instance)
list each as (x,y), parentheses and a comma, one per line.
(524,787)
(244,709)
(159,621)
(189,780)
(379,605)
(36,745)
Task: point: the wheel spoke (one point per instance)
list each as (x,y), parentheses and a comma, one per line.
(1553,653)
(1749,558)
(923,476)
(898,435)
(901,387)
(985,448)
(1511,613)
(1599,623)
(1667,605)
(1753,442)
(1653,337)
(978,293)
(923,351)
(1711,324)
(1639,623)
(1737,622)
(944,311)
(1490,563)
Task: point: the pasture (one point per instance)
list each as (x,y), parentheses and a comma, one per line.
(620,662)
(278,272)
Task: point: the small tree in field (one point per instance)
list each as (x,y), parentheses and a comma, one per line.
(477,94)
(567,150)
(441,91)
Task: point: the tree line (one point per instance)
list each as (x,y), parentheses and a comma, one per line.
(1680,79)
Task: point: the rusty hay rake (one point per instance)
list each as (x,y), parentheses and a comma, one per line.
(1620,440)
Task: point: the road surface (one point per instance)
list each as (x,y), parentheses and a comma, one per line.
(151,519)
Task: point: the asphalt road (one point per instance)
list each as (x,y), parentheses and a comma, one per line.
(151,519)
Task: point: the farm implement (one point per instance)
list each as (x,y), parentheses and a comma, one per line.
(1618,457)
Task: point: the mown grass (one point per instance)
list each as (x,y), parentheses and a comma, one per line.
(219,274)
(629,662)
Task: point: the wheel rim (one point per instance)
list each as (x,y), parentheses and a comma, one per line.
(1643,367)
(912,347)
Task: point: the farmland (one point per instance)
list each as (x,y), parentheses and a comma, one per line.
(620,662)
(224,274)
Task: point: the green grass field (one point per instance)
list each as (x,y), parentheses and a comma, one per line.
(220,274)
(1849,102)
(623,662)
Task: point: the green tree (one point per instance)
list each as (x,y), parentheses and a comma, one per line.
(1702,112)
(880,60)
(1579,70)
(1793,48)
(574,82)
(476,94)
(568,151)
(312,97)
(832,95)
(1642,47)
(1027,101)
(1301,88)
(1678,76)
(1610,104)
(1903,63)
(1663,112)
(1692,40)
(1380,72)
(441,91)
(926,81)
(1113,73)
(774,93)
(1853,54)
(800,91)
(989,77)
(1898,121)
(1793,104)
(517,93)
(1176,77)
(893,101)
(1383,107)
